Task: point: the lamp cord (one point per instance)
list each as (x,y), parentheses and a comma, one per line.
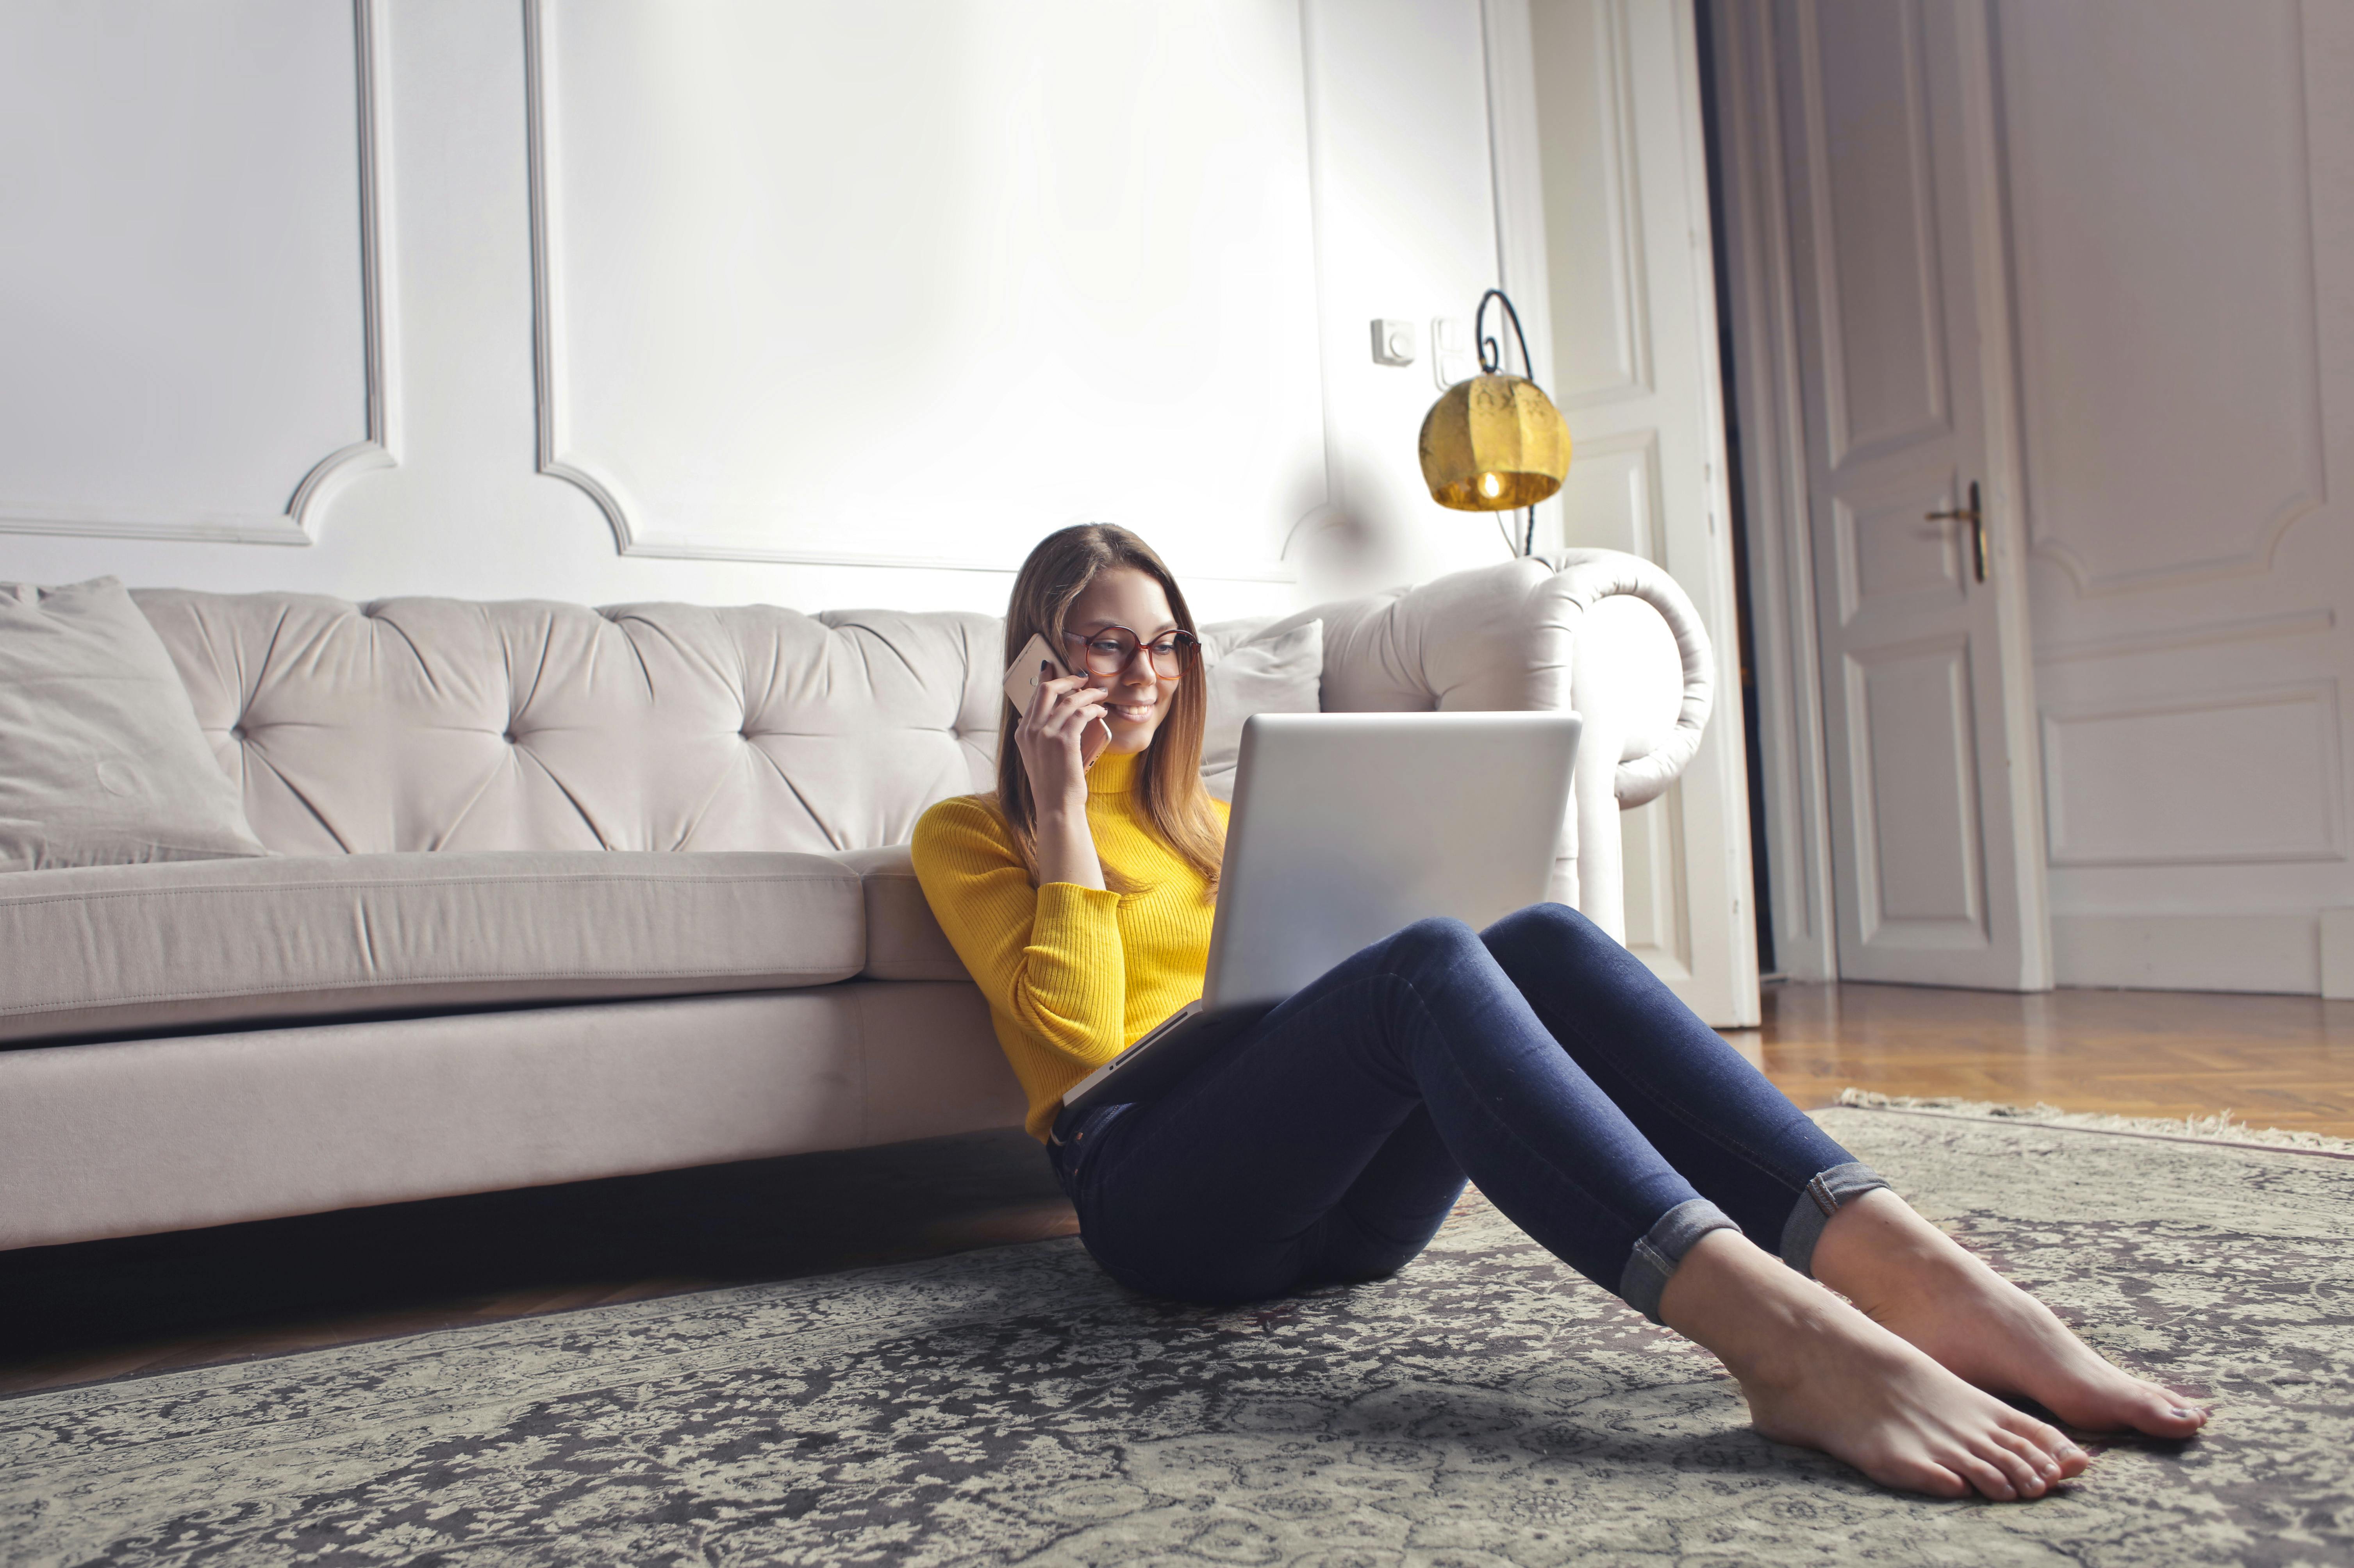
(1491,359)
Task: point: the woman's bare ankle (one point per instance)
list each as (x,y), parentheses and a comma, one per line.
(1736,1302)
(1876,1244)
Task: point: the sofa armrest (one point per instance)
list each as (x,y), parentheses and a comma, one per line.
(1605,633)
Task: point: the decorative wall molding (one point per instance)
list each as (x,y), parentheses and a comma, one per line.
(559,456)
(2276,953)
(1623,465)
(1659,916)
(547,294)
(1946,656)
(2224,772)
(2255,561)
(1623,292)
(2303,474)
(1523,267)
(1513,144)
(379,447)
(1847,446)
(2173,638)
(1626,209)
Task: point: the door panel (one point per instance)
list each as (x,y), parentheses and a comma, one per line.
(1889,552)
(1924,801)
(1911,723)
(1867,139)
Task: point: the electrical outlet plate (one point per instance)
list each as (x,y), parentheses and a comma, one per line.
(1451,359)
(1394,342)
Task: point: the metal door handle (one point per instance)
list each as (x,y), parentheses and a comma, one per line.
(1971,515)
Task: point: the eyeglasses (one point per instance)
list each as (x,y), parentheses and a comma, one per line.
(1111,649)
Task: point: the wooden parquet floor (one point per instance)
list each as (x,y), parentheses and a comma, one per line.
(2271,1061)
(144,1304)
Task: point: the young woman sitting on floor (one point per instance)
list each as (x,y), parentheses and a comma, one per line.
(1537,1058)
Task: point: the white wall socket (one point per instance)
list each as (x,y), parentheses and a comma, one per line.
(1451,359)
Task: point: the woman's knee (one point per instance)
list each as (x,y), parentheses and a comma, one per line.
(1437,942)
(1553,934)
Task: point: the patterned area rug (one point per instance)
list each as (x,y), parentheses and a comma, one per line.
(1484,1407)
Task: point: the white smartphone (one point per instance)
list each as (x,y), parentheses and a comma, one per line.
(1021,678)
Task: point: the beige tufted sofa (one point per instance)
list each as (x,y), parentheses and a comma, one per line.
(559,892)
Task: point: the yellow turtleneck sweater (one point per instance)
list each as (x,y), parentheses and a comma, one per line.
(1074,975)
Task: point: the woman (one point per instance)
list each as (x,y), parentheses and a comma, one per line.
(1537,1058)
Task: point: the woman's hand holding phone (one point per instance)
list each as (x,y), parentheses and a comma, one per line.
(1061,733)
(1062,730)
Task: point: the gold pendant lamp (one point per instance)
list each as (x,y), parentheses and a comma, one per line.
(1495,443)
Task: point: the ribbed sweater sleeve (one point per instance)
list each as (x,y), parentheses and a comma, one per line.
(1049,958)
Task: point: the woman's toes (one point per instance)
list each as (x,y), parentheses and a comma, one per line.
(2031,1469)
(2067,1461)
(1985,1476)
(2023,1469)
(2128,1401)
(2163,1415)
(1935,1481)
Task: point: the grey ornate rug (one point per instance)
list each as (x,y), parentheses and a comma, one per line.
(1484,1407)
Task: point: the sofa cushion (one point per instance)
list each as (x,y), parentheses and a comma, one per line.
(104,764)
(1252,670)
(904,942)
(115,950)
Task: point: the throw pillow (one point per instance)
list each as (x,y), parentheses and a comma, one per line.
(1252,673)
(102,761)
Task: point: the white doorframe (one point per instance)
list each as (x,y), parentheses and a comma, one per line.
(1704,944)
(1770,408)
(1783,626)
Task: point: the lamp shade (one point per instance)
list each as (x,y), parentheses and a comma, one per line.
(1493,443)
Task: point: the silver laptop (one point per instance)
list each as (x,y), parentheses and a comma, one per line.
(1347,827)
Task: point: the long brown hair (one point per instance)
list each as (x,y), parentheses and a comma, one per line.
(1169,787)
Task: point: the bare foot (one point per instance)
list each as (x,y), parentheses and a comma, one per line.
(1819,1373)
(1912,1279)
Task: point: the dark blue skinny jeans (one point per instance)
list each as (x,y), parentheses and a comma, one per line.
(1538,1057)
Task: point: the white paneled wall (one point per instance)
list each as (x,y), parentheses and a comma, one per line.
(191,310)
(2182,199)
(829,304)
(1090,251)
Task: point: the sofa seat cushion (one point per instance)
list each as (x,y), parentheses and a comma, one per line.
(904,942)
(117,949)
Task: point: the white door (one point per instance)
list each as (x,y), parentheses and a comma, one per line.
(1602,194)
(1902,334)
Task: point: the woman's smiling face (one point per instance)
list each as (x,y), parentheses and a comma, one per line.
(1140,698)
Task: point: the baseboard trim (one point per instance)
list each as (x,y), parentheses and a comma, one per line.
(2279,953)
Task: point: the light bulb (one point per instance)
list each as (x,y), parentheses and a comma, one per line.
(1490,486)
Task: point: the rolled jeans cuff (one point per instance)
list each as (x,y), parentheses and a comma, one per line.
(1823,1197)
(1660,1250)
